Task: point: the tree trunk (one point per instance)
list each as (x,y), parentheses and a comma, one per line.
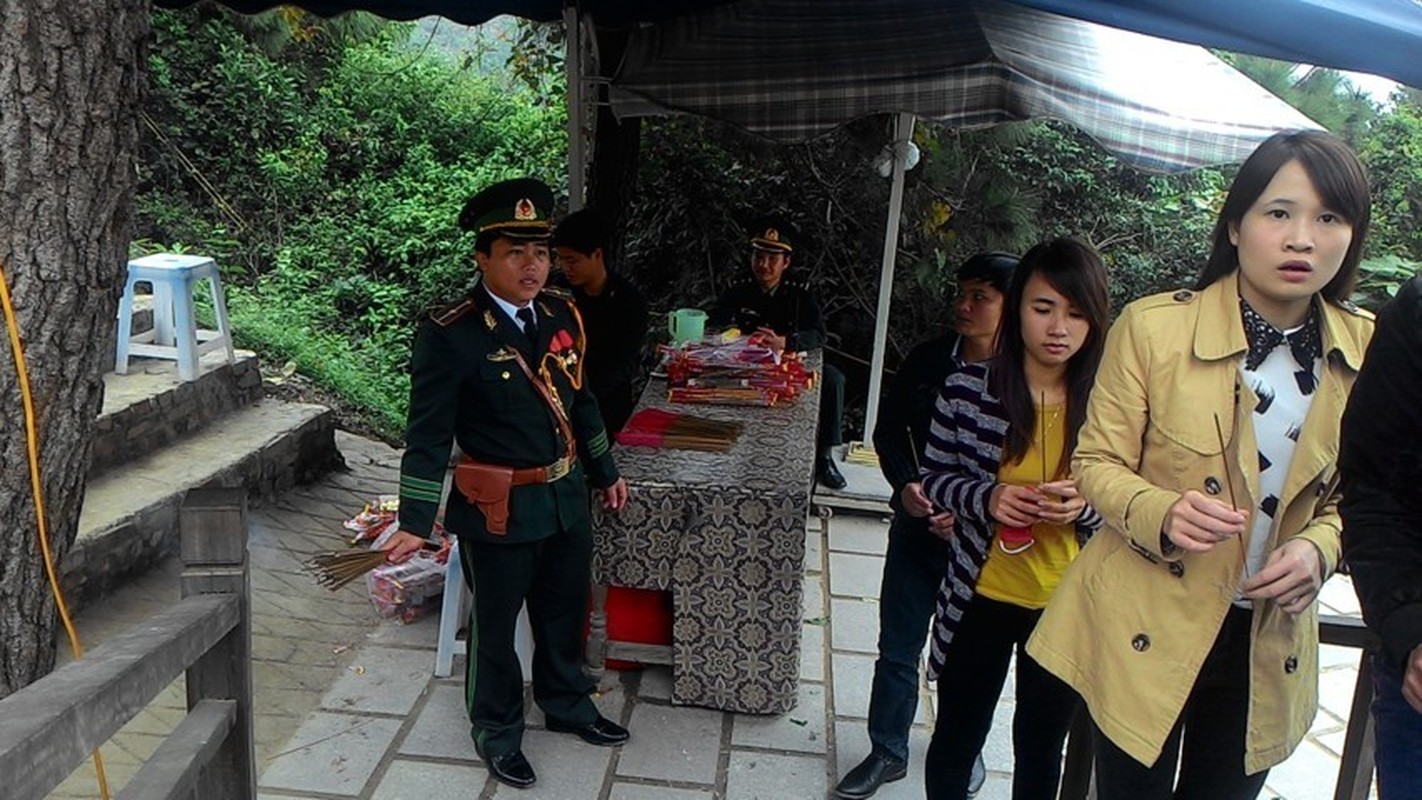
(70,76)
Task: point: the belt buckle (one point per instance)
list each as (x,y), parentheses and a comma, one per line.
(559,469)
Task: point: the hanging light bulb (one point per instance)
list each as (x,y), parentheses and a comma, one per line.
(883,163)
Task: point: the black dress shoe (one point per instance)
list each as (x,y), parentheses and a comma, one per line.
(978,777)
(827,473)
(512,769)
(602,731)
(875,771)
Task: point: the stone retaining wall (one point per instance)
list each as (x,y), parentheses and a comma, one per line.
(135,544)
(149,425)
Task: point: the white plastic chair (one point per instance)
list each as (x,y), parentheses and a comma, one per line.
(455,611)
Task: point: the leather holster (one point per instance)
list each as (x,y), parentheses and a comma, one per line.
(486,486)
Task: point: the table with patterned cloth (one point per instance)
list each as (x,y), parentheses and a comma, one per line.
(725,534)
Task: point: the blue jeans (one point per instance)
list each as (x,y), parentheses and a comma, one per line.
(1399,737)
(914,564)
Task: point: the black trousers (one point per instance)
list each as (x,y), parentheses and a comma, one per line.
(553,575)
(969,687)
(1211,727)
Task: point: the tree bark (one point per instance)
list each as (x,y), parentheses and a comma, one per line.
(70,77)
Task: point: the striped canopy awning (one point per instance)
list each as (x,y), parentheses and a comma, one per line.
(792,70)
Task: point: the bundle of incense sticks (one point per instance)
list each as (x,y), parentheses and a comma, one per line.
(335,569)
(724,396)
(653,427)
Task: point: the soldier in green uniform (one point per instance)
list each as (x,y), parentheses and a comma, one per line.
(501,374)
(788,314)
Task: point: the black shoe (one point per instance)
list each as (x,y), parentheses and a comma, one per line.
(978,777)
(828,474)
(512,769)
(875,771)
(602,731)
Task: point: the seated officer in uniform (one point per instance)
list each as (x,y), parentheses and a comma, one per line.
(501,373)
(788,314)
(614,314)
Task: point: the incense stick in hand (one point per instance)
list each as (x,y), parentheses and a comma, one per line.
(1229,485)
(917,468)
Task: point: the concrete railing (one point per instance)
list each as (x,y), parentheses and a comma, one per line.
(1355,773)
(51,726)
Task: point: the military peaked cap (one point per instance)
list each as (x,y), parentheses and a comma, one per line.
(773,234)
(520,208)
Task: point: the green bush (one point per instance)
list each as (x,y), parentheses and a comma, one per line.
(327,183)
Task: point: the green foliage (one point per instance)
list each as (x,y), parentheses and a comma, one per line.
(326,181)
(1379,279)
(1393,155)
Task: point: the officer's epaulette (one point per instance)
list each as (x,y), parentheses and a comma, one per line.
(558,292)
(447,316)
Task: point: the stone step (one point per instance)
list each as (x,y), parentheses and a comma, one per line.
(130,515)
(149,408)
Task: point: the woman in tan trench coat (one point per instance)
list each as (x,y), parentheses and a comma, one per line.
(1209,447)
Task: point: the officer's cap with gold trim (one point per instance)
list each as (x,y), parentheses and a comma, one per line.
(519,209)
(773,234)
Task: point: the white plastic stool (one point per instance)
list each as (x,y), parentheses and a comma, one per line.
(455,610)
(175,334)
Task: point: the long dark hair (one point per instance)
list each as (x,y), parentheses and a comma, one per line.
(1074,269)
(1338,178)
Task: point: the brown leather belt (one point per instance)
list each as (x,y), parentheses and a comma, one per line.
(533,475)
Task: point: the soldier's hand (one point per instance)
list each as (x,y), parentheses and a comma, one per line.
(772,340)
(614,497)
(401,546)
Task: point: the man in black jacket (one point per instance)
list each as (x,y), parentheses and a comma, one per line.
(1380,461)
(917,554)
(614,313)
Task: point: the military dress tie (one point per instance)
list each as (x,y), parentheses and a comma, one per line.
(530,325)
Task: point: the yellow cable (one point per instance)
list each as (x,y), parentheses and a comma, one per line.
(32,448)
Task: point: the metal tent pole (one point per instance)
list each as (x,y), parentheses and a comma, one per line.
(573,63)
(903,132)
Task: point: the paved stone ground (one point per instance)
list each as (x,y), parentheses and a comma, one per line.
(347,707)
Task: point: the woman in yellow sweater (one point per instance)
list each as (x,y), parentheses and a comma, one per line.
(997,452)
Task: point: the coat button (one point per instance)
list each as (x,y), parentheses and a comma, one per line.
(1212,485)
(1183,295)
(1291,665)
(1177,569)
(504,375)
(1141,643)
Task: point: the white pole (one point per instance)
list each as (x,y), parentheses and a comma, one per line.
(573,63)
(903,132)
